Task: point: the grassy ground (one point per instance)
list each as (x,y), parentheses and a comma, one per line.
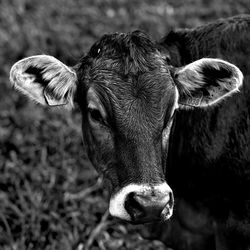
(49,194)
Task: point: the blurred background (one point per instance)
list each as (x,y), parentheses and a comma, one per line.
(50,197)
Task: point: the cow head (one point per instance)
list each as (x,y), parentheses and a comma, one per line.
(127,94)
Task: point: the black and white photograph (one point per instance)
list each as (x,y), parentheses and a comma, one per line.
(124,125)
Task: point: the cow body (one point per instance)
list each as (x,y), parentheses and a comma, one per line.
(208,163)
(154,112)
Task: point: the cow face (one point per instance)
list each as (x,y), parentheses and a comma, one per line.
(127,94)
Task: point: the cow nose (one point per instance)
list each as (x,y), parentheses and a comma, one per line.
(142,203)
(145,207)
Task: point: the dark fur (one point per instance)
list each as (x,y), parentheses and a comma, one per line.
(208,163)
(209,154)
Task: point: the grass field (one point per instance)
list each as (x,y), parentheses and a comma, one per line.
(50,196)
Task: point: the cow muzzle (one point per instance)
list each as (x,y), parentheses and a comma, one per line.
(141,203)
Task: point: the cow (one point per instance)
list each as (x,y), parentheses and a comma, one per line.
(162,120)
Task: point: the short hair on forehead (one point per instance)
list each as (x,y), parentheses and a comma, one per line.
(122,44)
(131,53)
(117,59)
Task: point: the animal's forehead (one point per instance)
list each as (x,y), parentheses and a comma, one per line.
(132,79)
(139,104)
(145,102)
(122,45)
(126,54)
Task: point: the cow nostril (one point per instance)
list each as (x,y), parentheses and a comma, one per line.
(133,207)
(142,203)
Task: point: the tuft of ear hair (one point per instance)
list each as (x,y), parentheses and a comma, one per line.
(45,80)
(206,82)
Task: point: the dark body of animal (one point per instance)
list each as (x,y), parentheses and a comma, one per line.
(208,164)
(157,112)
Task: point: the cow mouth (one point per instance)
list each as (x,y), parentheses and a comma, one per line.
(144,221)
(163,217)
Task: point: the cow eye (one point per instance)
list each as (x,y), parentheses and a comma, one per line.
(95,115)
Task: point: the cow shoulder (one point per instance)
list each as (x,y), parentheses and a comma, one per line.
(227,38)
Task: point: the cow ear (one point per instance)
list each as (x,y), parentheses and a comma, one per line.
(206,82)
(45,80)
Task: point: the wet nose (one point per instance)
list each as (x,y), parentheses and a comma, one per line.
(143,207)
(142,203)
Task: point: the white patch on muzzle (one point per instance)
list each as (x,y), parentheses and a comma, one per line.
(116,205)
